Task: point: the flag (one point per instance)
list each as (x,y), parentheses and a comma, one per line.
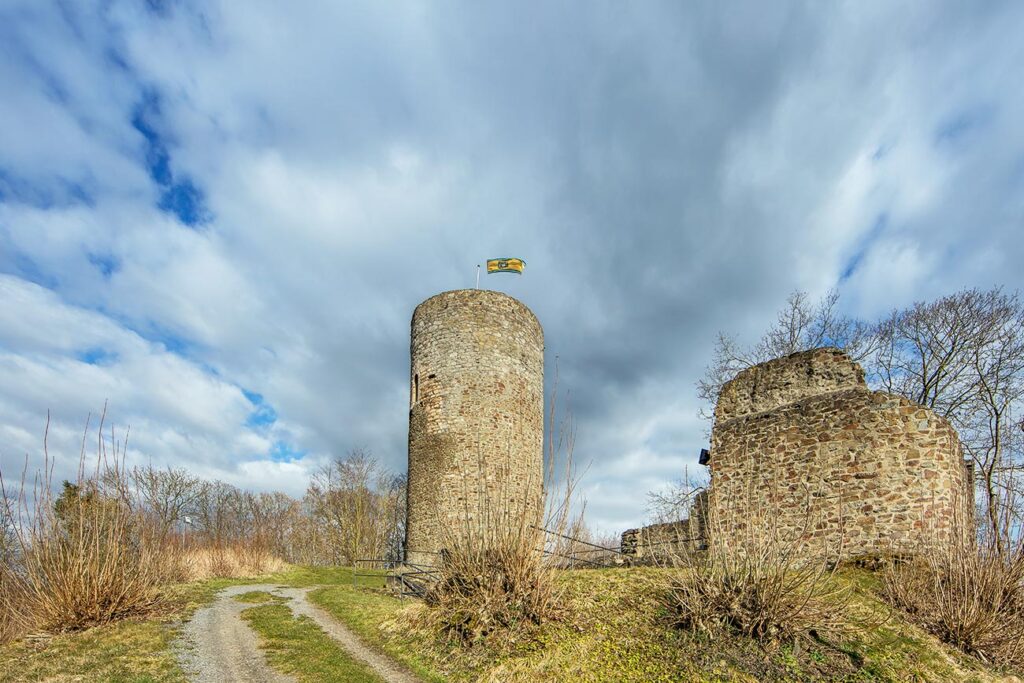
(505,265)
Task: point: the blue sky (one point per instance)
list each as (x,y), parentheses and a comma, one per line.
(220,216)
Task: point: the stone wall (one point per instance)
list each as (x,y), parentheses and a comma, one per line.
(662,544)
(476,418)
(784,380)
(800,445)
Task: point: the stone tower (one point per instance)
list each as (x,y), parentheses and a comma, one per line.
(476,417)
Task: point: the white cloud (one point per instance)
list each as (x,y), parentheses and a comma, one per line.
(667,172)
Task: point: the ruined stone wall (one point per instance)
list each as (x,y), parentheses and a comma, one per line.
(664,543)
(476,418)
(781,381)
(800,445)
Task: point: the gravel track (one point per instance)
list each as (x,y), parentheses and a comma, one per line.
(217,645)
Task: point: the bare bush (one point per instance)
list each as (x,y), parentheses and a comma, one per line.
(82,558)
(100,548)
(500,563)
(13,619)
(756,578)
(492,581)
(968,592)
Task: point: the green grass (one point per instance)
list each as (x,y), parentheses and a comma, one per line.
(135,651)
(304,577)
(297,646)
(368,613)
(127,651)
(615,630)
(258,597)
(138,651)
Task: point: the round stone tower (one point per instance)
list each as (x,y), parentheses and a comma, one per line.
(476,418)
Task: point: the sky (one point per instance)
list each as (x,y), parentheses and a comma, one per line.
(218,217)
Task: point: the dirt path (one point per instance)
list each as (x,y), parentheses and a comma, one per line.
(219,646)
(216,645)
(381,665)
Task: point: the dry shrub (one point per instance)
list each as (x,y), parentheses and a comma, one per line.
(493,583)
(82,558)
(498,573)
(968,592)
(759,579)
(238,561)
(13,619)
(101,548)
(764,591)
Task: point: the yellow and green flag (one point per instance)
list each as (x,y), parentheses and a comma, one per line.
(505,265)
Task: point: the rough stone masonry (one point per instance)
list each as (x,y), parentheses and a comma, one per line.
(804,452)
(803,449)
(476,419)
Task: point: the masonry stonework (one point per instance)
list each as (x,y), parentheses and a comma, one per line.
(663,543)
(802,447)
(476,417)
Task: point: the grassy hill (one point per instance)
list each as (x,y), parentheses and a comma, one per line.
(613,629)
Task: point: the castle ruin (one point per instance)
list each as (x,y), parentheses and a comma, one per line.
(476,418)
(802,449)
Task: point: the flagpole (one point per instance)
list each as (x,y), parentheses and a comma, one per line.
(478,276)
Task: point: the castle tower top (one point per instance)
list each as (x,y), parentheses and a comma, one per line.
(786,380)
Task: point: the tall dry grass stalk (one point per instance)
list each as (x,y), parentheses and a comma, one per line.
(82,558)
(760,576)
(968,592)
(196,562)
(499,568)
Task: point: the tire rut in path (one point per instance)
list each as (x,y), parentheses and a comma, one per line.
(220,646)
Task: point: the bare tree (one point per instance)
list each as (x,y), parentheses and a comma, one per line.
(963,357)
(801,325)
(278,516)
(357,502)
(676,500)
(166,494)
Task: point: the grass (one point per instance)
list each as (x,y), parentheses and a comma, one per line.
(126,651)
(618,630)
(136,651)
(140,650)
(621,631)
(258,597)
(368,613)
(297,646)
(305,577)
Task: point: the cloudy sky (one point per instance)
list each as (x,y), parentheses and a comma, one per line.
(220,216)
